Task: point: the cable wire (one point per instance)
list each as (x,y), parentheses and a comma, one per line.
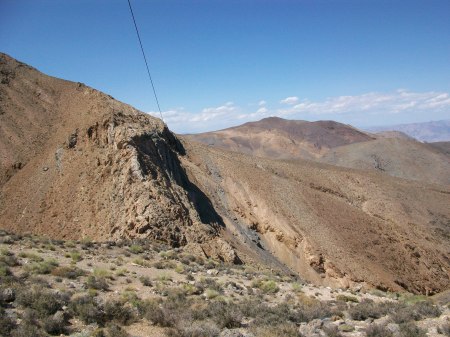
(145,59)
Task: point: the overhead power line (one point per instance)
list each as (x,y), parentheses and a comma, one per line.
(145,59)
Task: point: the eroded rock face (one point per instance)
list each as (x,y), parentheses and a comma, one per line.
(100,169)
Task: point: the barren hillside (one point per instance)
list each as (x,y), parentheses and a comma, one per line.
(398,157)
(75,163)
(332,225)
(279,138)
(389,152)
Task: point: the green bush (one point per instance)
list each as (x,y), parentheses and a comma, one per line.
(76,256)
(269,287)
(136,249)
(346,298)
(43,267)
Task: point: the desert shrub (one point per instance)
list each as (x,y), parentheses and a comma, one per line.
(4,270)
(44,301)
(407,314)
(269,287)
(56,324)
(346,298)
(225,315)
(282,330)
(7,324)
(187,259)
(29,326)
(314,310)
(273,316)
(332,331)
(117,311)
(86,309)
(145,280)
(376,330)
(43,267)
(211,293)
(427,309)
(114,330)
(444,329)
(411,330)
(415,312)
(130,296)
(97,283)
(369,309)
(8,258)
(69,272)
(31,256)
(136,249)
(121,272)
(195,329)
(159,315)
(165,264)
(76,256)
(209,283)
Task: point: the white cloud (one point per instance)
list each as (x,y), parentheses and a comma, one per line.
(373,103)
(262,102)
(373,107)
(262,110)
(289,100)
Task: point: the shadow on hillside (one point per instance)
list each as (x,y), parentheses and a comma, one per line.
(160,151)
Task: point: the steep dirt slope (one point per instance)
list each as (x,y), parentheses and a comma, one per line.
(444,147)
(76,163)
(278,138)
(404,158)
(333,225)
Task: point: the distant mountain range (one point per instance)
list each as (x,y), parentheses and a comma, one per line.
(434,131)
(389,152)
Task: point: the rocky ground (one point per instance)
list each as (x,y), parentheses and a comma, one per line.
(84,288)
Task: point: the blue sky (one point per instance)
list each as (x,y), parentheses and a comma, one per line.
(221,63)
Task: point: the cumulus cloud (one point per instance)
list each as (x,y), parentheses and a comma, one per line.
(262,110)
(373,103)
(289,100)
(351,108)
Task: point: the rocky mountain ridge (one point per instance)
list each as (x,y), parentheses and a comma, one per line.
(78,164)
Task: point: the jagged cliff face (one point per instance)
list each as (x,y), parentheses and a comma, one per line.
(76,163)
